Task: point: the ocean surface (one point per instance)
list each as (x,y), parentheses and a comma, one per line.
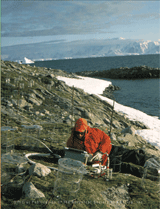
(141,94)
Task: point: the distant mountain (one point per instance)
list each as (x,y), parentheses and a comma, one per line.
(79,49)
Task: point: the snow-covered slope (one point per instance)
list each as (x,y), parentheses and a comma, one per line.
(131,47)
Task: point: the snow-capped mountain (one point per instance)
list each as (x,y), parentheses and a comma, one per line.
(80,49)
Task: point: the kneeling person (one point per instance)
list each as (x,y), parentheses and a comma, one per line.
(92,140)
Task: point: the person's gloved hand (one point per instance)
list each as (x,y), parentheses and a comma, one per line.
(98,156)
(90,156)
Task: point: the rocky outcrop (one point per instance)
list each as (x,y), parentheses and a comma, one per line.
(109,90)
(139,72)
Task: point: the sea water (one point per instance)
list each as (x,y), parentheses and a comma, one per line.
(141,94)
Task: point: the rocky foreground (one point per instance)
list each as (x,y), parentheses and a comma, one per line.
(34,97)
(140,72)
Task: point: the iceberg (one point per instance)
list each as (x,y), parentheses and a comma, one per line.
(26,61)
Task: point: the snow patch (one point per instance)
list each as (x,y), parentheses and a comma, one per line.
(89,85)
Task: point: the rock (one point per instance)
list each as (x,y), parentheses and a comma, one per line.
(68,119)
(139,124)
(37,113)
(30,191)
(20,168)
(111,88)
(39,170)
(116,124)
(131,144)
(129,139)
(34,100)
(113,137)
(95,120)
(28,107)
(86,114)
(140,139)
(107,121)
(94,96)
(13,66)
(125,124)
(45,112)
(129,130)
(121,140)
(38,95)
(80,91)
(9,104)
(108,95)
(22,103)
(51,76)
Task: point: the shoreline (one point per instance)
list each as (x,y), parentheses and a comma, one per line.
(133,114)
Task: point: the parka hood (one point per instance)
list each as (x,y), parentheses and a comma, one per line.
(81,125)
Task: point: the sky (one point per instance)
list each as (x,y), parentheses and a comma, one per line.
(59,21)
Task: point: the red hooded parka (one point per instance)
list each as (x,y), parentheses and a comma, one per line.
(95,140)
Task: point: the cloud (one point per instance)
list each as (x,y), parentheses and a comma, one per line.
(39,18)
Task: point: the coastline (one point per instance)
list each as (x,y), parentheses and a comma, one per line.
(97,86)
